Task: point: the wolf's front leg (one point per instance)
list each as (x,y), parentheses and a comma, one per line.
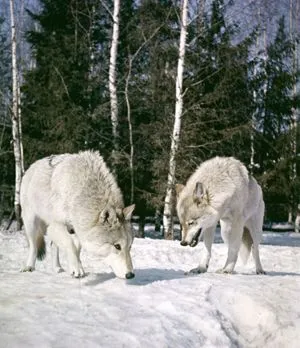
(59,234)
(208,237)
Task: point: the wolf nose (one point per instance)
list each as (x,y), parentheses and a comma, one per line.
(129,275)
(183,243)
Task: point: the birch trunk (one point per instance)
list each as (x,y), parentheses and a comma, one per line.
(293,126)
(16,121)
(112,81)
(253,118)
(169,198)
(131,156)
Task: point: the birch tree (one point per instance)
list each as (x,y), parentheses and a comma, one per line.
(112,79)
(169,197)
(293,18)
(16,120)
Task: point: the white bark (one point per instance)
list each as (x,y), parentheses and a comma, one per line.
(20,129)
(293,125)
(16,119)
(169,198)
(112,78)
(253,119)
(130,132)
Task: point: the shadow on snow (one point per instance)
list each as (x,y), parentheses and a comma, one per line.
(142,276)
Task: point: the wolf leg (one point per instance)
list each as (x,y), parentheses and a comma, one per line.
(252,227)
(55,258)
(208,237)
(232,233)
(255,228)
(77,244)
(34,229)
(258,266)
(59,234)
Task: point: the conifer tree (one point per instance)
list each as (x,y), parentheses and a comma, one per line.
(218,98)
(274,137)
(57,94)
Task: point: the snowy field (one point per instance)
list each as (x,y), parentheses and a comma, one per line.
(161,307)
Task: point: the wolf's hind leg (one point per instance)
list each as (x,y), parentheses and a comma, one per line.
(232,234)
(258,266)
(55,258)
(34,229)
(77,244)
(59,234)
(253,228)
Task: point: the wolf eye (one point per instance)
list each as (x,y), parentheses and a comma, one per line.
(190,223)
(117,246)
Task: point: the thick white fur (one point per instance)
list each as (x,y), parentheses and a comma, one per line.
(227,194)
(78,192)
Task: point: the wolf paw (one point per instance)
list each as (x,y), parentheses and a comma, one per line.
(224,271)
(260,271)
(27,269)
(197,270)
(78,272)
(58,269)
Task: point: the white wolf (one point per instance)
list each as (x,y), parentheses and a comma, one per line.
(221,190)
(70,193)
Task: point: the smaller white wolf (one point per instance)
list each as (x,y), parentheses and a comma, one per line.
(76,200)
(222,190)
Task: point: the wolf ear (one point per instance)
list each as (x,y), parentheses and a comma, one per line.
(178,189)
(198,193)
(103,217)
(128,211)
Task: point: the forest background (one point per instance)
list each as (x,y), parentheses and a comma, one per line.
(240,91)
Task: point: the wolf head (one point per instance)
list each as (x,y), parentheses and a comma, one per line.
(194,212)
(112,238)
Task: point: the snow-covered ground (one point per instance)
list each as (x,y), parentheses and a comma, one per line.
(161,307)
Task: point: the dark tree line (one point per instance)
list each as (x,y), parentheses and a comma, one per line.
(66,107)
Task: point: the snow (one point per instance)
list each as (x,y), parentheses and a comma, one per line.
(160,307)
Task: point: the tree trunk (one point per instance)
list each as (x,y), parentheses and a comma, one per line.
(157,220)
(169,198)
(16,121)
(130,60)
(293,126)
(254,115)
(141,230)
(113,82)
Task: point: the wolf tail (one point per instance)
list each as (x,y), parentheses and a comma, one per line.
(41,246)
(246,245)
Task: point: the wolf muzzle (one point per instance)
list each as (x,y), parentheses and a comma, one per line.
(194,241)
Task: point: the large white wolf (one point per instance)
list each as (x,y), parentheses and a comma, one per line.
(68,193)
(222,190)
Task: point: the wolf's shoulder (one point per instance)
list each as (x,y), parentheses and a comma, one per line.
(219,169)
(218,164)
